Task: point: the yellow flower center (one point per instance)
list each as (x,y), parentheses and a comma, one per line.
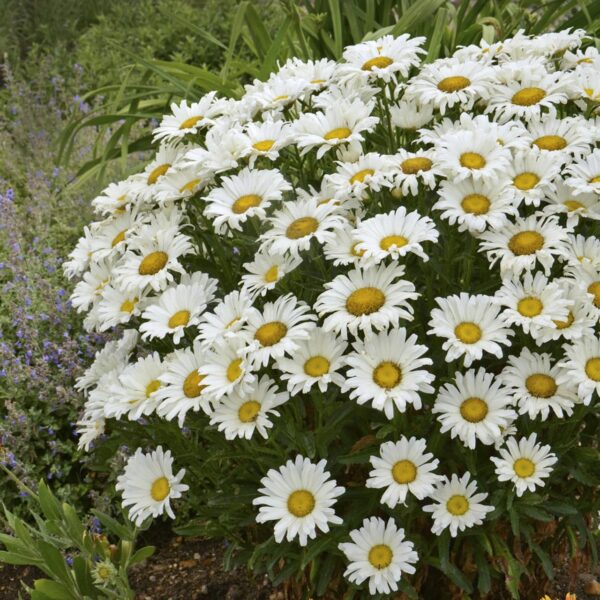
(526,242)
(393,240)
(153,263)
(387,375)
(541,385)
(475,204)
(317,81)
(592,368)
(567,323)
(550,142)
(474,410)
(234,370)
(270,333)
(316,366)
(594,289)
(526,181)
(157,172)
(524,468)
(411,166)
(528,96)
(380,556)
(379,62)
(573,205)
(279,98)
(361,175)
(232,322)
(118,238)
(595,179)
(160,489)
(355,252)
(457,505)
(128,305)
(189,123)
(192,387)
(472,160)
(404,471)
(103,572)
(179,319)
(530,306)
(301,228)
(301,503)
(365,301)
(243,203)
(248,411)
(152,387)
(264,145)
(272,274)
(468,332)
(340,133)
(453,84)
(189,186)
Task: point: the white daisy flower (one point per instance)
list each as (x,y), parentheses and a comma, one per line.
(457,506)
(224,146)
(533,302)
(471,325)
(531,379)
(135,393)
(276,330)
(80,257)
(394,235)
(300,496)
(583,250)
(475,205)
(317,73)
(241,414)
(521,245)
(148,485)
(297,223)
(182,388)
(88,291)
(225,369)
(532,176)
(526,463)
(446,83)
(266,270)
(89,429)
(414,169)
(226,319)
(266,139)
(411,113)
(564,200)
(277,93)
(528,94)
(587,277)
(151,262)
(341,123)
(469,154)
(114,198)
(404,467)
(583,175)
(315,362)
(188,119)
(581,367)
(384,58)
(366,299)
(475,407)
(563,137)
(386,370)
(181,183)
(246,194)
(341,249)
(117,307)
(380,553)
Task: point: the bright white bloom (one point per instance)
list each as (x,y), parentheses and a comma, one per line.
(148,485)
(88,291)
(188,119)
(114,198)
(411,113)
(386,370)
(532,176)
(380,553)
(531,379)
(521,245)
(266,270)
(471,325)
(394,235)
(583,250)
(316,361)
(562,137)
(581,368)
(404,467)
(181,183)
(583,175)
(564,200)
(241,414)
(367,299)
(266,139)
(457,505)
(116,307)
(276,330)
(300,496)
(226,319)
(526,463)
(415,169)
(341,250)
(475,407)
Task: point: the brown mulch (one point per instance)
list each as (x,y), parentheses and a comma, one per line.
(11,577)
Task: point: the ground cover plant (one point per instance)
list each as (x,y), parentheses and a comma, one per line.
(357,317)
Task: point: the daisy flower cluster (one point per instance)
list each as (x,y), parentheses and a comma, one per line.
(376,262)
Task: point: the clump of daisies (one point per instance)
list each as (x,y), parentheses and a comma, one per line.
(358,305)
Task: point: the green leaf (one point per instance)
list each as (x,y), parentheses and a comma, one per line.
(53,589)
(336,20)
(48,503)
(142,554)
(54,561)
(121,531)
